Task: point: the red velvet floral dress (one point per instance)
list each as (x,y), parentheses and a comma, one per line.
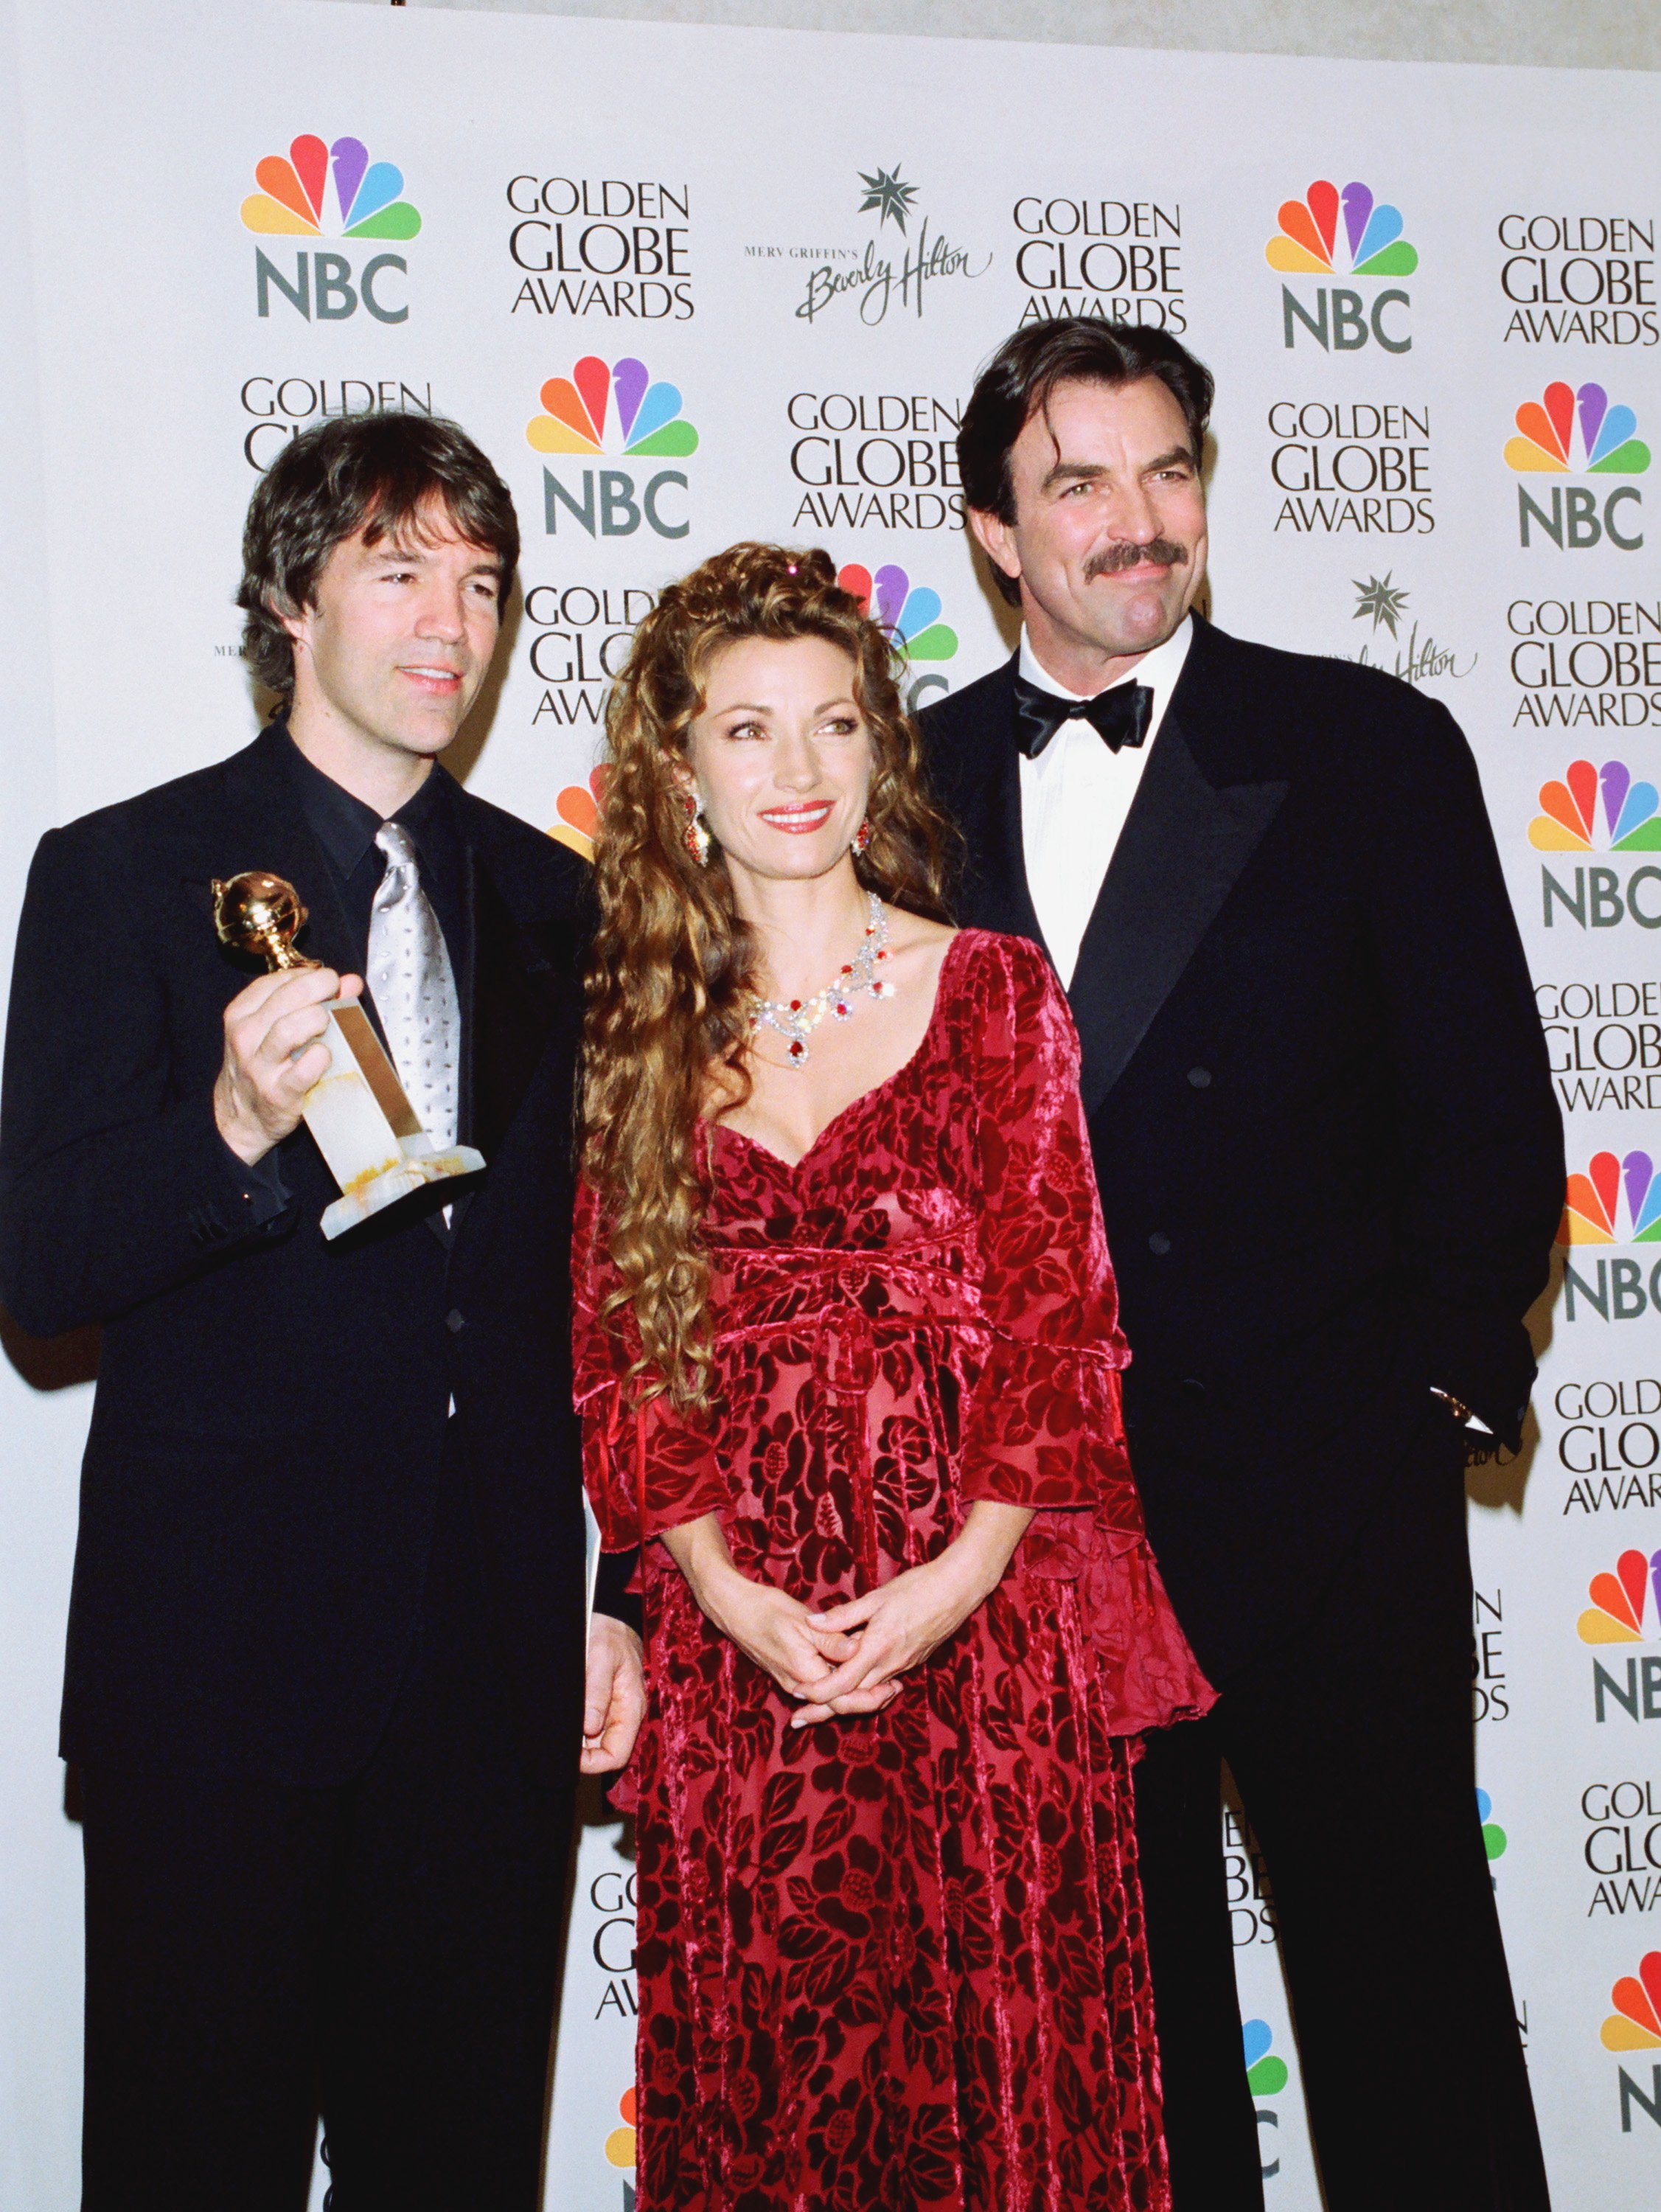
(897,1960)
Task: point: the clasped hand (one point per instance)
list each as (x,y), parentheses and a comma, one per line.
(892,1628)
(849,1658)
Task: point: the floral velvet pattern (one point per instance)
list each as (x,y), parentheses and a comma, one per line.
(897,1960)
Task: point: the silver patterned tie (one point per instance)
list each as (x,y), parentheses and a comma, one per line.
(414,987)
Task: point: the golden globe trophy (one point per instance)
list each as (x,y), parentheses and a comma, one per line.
(364,1127)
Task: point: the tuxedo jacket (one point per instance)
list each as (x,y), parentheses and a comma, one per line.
(1330,1157)
(259,1483)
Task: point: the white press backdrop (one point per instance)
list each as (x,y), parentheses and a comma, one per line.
(784,255)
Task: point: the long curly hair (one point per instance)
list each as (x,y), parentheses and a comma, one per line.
(671,977)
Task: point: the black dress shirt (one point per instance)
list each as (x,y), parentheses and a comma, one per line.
(346,827)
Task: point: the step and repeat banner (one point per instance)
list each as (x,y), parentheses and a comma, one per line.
(688,285)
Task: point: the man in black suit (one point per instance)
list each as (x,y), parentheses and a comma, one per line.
(1332,1167)
(325,1682)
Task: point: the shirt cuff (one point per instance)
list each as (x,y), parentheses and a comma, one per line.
(260,1184)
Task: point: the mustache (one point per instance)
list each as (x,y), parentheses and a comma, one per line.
(1163,552)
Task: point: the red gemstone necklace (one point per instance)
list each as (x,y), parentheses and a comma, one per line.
(795,1019)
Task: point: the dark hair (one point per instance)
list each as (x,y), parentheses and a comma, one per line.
(380,471)
(1017,381)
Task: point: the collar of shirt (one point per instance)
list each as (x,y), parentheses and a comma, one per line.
(1158,669)
(346,827)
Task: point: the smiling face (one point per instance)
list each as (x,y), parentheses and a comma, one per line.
(1109,536)
(389,658)
(781,756)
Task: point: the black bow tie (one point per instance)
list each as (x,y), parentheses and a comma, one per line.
(1120,716)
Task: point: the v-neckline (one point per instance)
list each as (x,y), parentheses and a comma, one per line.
(794,1167)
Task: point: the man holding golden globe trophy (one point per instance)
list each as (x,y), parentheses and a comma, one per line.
(288,1105)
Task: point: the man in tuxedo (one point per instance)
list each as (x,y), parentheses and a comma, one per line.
(326,1684)
(1332,1167)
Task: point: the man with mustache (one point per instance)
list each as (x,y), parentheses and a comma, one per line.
(326,1685)
(1332,1167)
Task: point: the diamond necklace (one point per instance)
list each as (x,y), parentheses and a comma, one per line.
(796,1018)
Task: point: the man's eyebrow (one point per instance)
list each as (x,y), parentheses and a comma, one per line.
(391,550)
(1090,471)
(1074,473)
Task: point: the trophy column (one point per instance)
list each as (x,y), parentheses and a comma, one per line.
(357,1112)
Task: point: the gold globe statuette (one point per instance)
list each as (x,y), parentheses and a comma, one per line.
(363,1123)
(261,914)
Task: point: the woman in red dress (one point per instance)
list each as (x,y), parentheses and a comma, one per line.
(848,1362)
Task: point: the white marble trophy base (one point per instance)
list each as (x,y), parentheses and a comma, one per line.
(366,1129)
(397,1180)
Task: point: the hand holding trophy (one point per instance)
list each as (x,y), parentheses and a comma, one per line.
(364,1125)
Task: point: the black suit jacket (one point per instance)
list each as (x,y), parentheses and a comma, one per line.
(260,1482)
(1330,1157)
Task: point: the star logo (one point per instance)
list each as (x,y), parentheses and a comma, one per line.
(891,198)
(1380,599)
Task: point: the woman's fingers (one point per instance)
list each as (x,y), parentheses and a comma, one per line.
(835,1648)
(859,1701)
(797,1665)
(854,1614)
(856,1673)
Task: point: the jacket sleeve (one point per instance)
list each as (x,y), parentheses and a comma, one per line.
(113,1189)
(1480,1154)
(1044,1428)
(645,1468)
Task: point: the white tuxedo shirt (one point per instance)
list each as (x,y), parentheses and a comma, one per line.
(1075,795)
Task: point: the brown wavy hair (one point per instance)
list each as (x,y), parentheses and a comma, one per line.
(376,473)
(671,976)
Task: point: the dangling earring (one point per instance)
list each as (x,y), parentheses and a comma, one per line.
(862,836)
(698,839)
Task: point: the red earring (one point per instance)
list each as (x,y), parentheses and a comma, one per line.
(862,836)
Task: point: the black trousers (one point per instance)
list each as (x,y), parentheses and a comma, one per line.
(1352,1748)
(386,1949)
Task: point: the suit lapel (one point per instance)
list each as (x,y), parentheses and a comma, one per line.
(988,793)
(511,997)
(1184,843)
(267,828)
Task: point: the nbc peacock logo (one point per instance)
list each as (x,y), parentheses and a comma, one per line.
(1635,2022)
(611,408)
(1591,809)
(294,199)
(1619,1599)
(1616,1287)
(1546,428)
(1592,1206)
(1352,233)
(1631,1683)
(1615,1616)
(1576,432)
(320,191)
(620,410)
(1568,823)
(578,809)
(910,613)
(1634,2027)
(1307,242)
